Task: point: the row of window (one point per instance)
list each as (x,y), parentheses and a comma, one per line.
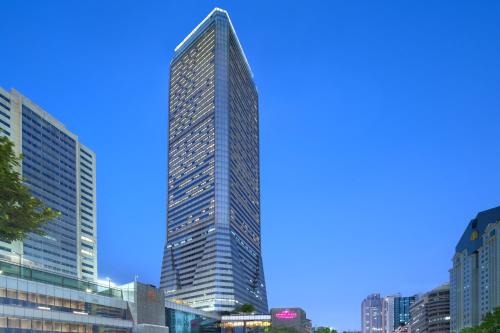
(22,325)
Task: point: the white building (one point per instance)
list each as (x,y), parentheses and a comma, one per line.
(475,276)
(371,314)
(388,313)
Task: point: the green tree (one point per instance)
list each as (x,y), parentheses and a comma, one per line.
(322,330)
(20,212)
(280,330)
(490,324)
(245,308)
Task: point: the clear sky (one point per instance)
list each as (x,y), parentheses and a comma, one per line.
(379,131)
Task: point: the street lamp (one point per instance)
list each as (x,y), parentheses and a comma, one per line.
(109,285)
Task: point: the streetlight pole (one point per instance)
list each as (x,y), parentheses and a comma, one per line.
(20,255)
(109,285)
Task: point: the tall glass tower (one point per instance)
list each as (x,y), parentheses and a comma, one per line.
(212,258)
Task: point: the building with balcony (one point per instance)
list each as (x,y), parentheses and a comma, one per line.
(430,313)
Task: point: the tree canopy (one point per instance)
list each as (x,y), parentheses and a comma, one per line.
(490,324)
(280,330)
(20,212)
(245,308)
(324,330)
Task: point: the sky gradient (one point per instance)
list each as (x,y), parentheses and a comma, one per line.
(379,131)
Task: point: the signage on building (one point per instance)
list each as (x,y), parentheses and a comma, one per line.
(286,314)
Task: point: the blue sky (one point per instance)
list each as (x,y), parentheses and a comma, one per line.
(379,131)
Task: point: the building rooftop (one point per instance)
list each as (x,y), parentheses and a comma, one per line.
(471,239)
(34,274)
(216,12)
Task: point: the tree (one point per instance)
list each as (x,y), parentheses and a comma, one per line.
(245,308)
(20,212)
(490,324)
(322,330)
(280,330)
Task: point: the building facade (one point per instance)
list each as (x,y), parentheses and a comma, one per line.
(212,258)
(402,314)
(184,319)
(294,319)
(245,323)
(33,300)
(388,313)
(291,318)
(403,329)
(59,170)
(371,314)
(431,312)
(475,276)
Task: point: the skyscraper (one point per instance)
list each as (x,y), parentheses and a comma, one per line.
(402,314)
(60,171)
(212,258)
(371,314)
(475,276)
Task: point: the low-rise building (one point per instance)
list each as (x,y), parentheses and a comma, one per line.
(181,318)
(245,323)
(33,300)
(293,318)
(289,318)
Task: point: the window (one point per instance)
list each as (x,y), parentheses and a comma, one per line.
(4,98)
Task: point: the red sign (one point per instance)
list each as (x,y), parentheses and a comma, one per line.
(286,314)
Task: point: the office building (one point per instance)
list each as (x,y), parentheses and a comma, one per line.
(371,314)
(430,313)
(212,258)
(402,314)
(475,276)
(388,313)
(59,170)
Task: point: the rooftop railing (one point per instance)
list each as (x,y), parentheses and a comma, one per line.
(33,274)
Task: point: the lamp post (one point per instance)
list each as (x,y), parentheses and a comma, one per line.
(109,285)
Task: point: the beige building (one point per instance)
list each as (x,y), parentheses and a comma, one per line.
(475,276)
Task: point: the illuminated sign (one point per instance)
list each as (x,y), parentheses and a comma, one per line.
(286,314)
